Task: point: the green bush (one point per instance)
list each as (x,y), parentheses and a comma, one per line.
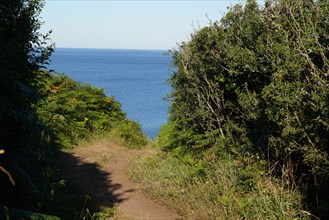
(76,111)
(256,82)
(132,134)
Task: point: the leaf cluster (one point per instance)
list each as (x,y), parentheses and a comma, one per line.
(23,51)
(75,111)
(256,83)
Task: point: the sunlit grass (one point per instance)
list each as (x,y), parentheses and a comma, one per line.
(217,194)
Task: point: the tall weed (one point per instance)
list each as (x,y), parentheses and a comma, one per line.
(217,194)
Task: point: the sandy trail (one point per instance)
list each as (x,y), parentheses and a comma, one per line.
(100,170)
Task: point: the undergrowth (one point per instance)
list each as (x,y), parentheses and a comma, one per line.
(217,190)
(79,111)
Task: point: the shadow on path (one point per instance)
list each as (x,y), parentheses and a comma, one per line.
(92,181)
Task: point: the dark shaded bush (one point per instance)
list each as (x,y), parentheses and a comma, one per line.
(23,51)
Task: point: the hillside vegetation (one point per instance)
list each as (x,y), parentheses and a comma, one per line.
(249,116)
(77,111)
(42,113)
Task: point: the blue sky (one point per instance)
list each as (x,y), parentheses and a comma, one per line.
(127,24)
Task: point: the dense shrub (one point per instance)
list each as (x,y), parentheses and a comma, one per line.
(76,111)
(23,51)
(256,83)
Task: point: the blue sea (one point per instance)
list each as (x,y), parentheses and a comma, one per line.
(136,78)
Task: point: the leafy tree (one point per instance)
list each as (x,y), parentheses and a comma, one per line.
(23,52)
(256,83)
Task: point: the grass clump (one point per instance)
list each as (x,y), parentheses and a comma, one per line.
(113,213)
(129,134)
(227,189)
(107,213)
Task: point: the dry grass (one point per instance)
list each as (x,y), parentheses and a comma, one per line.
(215,195)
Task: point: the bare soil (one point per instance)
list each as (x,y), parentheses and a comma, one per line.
(99,169)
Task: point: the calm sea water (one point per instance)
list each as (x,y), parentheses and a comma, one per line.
(135,77)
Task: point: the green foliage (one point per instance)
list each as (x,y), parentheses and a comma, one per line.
(23,51)
(76,111)
(13,214)
(256,82)
(38,112)
(220,193)
(131,133)
(105,214)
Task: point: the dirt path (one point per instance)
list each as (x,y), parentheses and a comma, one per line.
(100,170)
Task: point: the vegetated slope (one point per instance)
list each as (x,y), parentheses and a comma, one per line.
(76,111)
(252,90)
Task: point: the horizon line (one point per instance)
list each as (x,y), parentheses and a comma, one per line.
(106,48)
